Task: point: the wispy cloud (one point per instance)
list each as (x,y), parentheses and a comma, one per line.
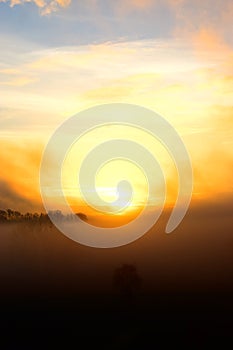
(9,198)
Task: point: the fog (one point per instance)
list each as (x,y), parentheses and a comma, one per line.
(196,257)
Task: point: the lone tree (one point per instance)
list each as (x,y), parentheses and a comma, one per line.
(127,281)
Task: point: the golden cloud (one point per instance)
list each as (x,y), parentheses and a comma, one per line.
(46,6)
(20,166)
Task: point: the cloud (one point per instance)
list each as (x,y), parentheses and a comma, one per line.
(53,83)
(209,23)
(162,75)
(19,81)
(9,198)
(126,6)
(113,93)
(45,6)
(207,39)
(140,3)
(19,185)
(47,85)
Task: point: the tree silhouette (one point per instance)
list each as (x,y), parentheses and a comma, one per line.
(3,216)
(127,281)
(12,216)
(82,216)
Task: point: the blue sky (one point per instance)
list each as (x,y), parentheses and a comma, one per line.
(82,24)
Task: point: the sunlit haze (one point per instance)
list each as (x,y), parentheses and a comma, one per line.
(70,55)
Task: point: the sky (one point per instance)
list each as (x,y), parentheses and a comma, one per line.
(60,57)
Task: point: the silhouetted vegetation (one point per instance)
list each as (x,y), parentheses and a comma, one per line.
(127,282)
(82,216)
(10,215)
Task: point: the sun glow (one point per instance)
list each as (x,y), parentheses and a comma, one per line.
(110,174)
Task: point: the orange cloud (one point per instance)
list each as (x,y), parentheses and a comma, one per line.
(210,22)
(123,7)
(20,164)
(208,39)
(141,4)
(63,3)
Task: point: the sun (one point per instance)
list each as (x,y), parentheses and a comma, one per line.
(119,188)
(119,194)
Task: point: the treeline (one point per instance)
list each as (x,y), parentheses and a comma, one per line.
(10,215)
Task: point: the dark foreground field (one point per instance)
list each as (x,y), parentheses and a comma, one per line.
(55,292)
